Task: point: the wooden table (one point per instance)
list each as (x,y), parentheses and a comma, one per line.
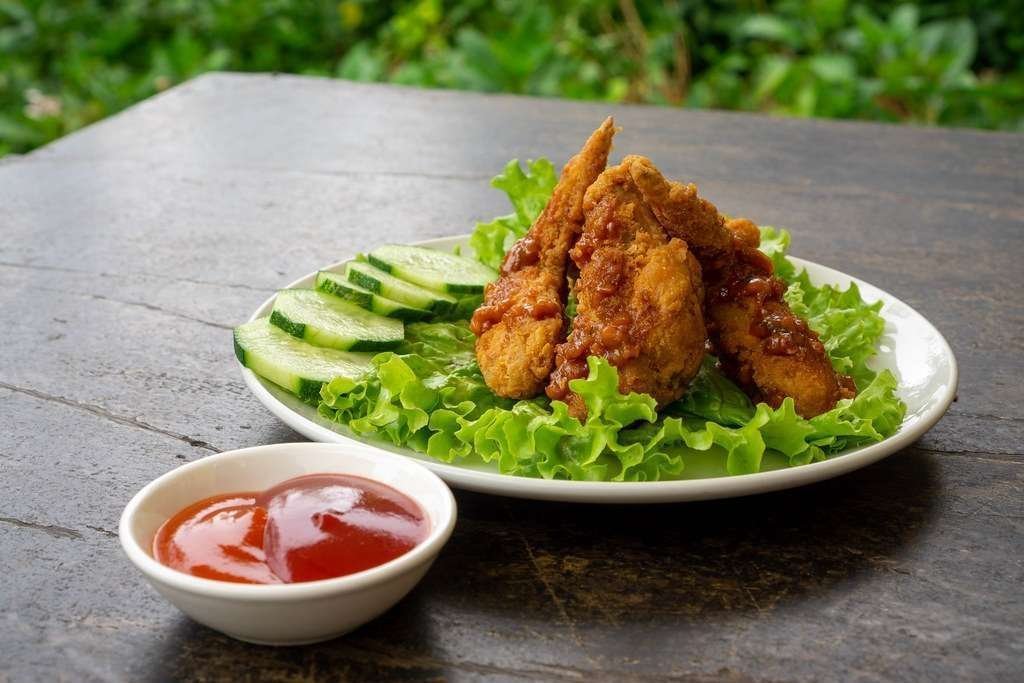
(128,251)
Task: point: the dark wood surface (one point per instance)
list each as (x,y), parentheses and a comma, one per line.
(128,250)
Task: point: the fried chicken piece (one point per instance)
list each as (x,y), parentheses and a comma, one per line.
(684,214)
(760,342)
(521,319)
(638,296)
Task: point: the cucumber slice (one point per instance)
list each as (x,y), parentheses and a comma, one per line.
(338,285)
(326,320)
(379,282)
(293,364)
(433,269)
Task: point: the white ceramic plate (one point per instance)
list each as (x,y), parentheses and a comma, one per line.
(911,347)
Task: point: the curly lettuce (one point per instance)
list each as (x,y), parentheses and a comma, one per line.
(528,191)
(429,394)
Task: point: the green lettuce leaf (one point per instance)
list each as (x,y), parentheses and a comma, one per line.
(775,245)
(714,397)
(528,191)
(429,395)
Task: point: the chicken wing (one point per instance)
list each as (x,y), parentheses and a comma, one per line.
(521,319)
(638,296)
(760,342)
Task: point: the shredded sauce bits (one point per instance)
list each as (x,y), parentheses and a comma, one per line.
(317,526)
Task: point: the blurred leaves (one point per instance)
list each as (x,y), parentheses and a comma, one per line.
(66,63)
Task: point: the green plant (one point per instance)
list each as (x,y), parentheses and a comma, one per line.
(66,63)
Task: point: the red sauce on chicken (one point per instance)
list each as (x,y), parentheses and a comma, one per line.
(317,526)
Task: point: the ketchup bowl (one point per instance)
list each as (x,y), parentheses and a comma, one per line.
(286,613)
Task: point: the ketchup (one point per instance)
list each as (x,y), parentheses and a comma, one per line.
(318,526)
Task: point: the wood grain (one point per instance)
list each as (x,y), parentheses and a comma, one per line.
(129,249)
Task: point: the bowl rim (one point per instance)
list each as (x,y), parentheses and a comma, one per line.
(440,531)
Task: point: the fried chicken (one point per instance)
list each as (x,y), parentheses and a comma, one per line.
(521,319)
(684,214)
(656,262)
(638,296)
(761,344)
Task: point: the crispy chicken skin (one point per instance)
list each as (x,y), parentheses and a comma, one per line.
(521,319)
(761,344)
(638,296)
(656,263)
(683,214)
(767,349)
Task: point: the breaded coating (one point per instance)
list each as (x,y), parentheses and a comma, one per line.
(521,319)
(766,348)
(638,297)
(684,214)
(769,350)
(762,345)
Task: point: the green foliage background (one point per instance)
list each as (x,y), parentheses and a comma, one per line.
(66,63)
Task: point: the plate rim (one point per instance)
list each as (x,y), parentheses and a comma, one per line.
(677,490)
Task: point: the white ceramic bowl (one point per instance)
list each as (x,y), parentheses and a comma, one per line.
(289,614)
